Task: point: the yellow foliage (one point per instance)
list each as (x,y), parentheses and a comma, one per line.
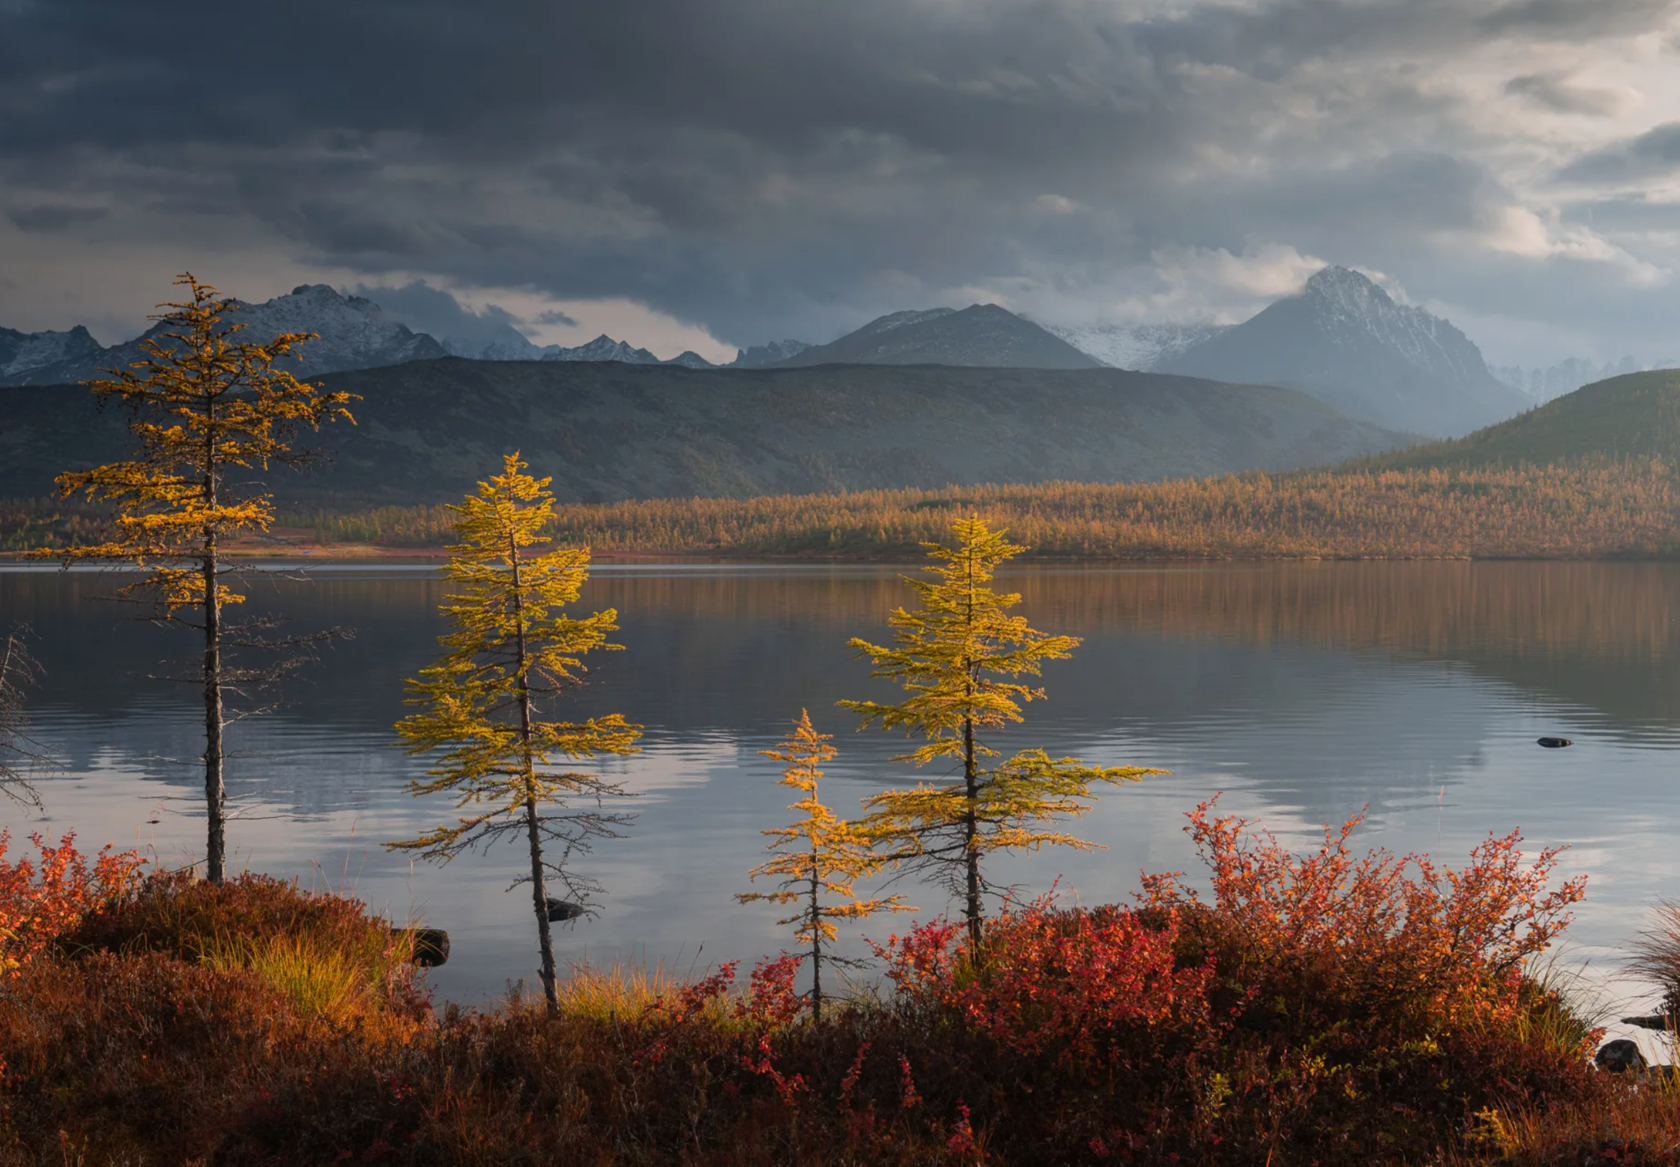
(201,404)
(510,645)
(959,656)
(821,854)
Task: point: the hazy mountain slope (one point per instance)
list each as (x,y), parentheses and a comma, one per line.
(427,431)
(982,335)
(1143,347)
(1345,341)
(1633,416)
(758,355)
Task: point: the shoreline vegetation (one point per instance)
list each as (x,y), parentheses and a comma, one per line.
(1331,1008)
(1588,508)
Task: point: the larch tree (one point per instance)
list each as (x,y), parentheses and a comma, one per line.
(205,409)
(510,650)
(820,858)
(959,657)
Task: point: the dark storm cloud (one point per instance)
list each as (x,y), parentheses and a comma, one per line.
(768,167)
(54,217)
(432,310)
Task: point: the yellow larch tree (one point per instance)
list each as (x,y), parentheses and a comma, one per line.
(958,656)
(820,858)
(203,406)
(511,649)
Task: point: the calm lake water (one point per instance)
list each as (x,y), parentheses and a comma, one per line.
(1302,691)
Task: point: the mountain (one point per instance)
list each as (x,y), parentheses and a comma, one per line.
(1135,346)
(982,335)
(1569,375)
(1345,341)
(760,355)
(1635,416)
(25,353)
(428,430)
(354,334)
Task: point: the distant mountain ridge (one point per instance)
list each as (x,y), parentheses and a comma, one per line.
(353,333)
(1344,340)
(428,430)
(981,335)
(1569,375)
(25,353)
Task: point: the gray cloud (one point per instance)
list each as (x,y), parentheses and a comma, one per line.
(432,310)
(1654,152)
(1554,91)
(770,169)
(54,217)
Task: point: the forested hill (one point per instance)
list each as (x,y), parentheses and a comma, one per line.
(1637,415)
(427,431)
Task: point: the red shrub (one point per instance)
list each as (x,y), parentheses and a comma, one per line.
(41,901)
(1078,986)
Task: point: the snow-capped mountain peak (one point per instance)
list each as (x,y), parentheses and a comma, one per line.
(23,353)
(1139,347)
(602,348)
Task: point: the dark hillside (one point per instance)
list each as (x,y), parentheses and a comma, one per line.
(429,429)
(1633,416)
(979,335)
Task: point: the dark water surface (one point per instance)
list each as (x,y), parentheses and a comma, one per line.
(1302,691)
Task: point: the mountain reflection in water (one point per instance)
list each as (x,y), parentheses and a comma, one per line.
(1304,691)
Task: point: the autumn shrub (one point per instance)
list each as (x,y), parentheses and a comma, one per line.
(323,948)
(42,899)
(1326,1008)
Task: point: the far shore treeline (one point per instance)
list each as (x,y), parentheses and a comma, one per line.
(1593,508)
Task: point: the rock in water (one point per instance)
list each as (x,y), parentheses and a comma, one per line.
(1555,743)
(1654,1021)
(559,911)
(431,945)
(1620,1057)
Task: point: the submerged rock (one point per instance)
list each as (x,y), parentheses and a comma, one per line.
(1654,1021)
(431,945)
(559,911)
(1620,1057)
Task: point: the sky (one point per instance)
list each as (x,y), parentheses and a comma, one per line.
(709,174)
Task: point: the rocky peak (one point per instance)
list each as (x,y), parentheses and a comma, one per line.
(1349,288)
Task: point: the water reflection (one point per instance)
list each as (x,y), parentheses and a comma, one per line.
(1304,691)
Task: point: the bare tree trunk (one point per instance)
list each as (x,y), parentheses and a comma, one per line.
(816,943)
(215,791)
(971,831)
(539,891)
(971,782)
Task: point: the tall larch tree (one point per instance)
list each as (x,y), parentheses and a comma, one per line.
(205,408)
(511,649)
(820,858)
(959,657)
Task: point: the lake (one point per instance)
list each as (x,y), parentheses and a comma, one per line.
(1302,691)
